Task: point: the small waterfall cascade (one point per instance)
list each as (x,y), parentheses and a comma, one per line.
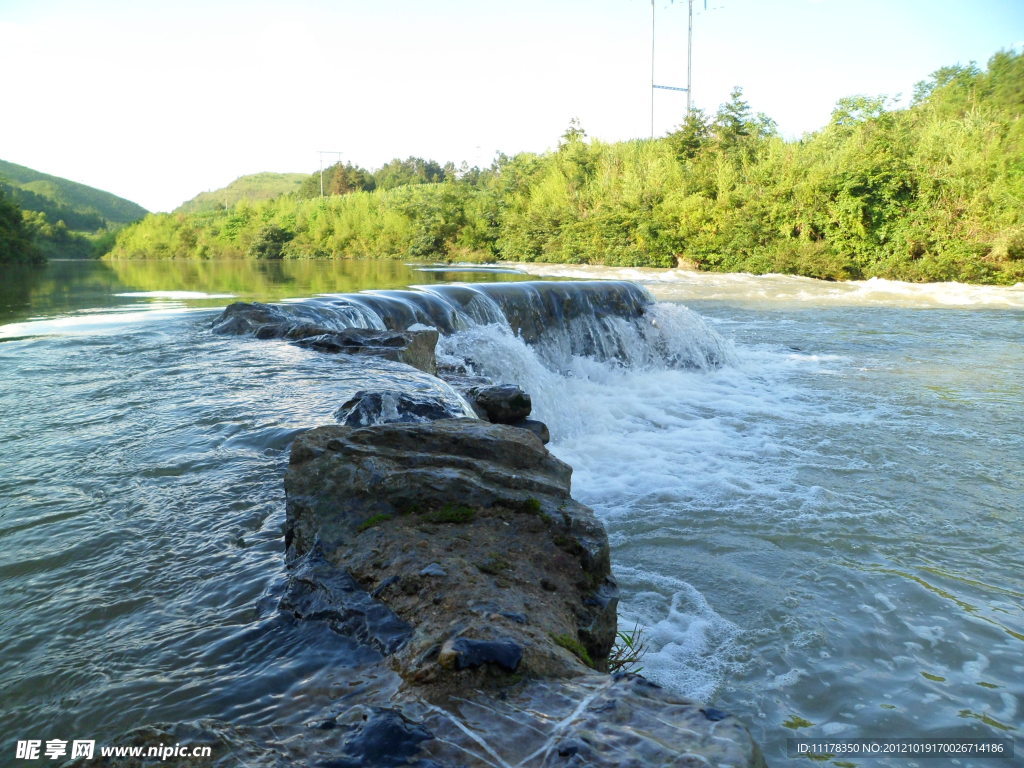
(609,321)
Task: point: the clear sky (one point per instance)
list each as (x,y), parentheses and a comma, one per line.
(157,101)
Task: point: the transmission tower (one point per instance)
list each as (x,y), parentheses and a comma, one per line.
(689,61)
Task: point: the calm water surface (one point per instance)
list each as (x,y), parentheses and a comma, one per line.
(825,536)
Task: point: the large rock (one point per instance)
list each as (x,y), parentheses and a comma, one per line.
(500,403)
(467,532)
(524,565)
(454,549)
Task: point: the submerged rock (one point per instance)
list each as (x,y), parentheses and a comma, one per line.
(382,406)
(269,321)
(590,721)
(415,348)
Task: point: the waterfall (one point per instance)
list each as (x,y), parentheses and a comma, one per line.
(608,321)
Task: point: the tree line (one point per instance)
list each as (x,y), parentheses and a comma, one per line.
(15,236)
(933,191)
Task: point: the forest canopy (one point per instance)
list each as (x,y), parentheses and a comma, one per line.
(933,191)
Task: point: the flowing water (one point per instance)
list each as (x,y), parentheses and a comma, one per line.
(813,491)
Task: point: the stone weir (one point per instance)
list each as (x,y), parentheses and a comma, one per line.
(580,317)
(453,548)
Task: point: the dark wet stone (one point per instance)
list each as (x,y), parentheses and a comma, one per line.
(570,747)
(466,653)
(270,321)
(387,739)
(319,591)
(382,587)
(537,723)
(385,406)
(714,715)
(502,403)
(244,317)
(415,348)
(539,428)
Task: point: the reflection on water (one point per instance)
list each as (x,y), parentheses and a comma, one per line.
(70,287)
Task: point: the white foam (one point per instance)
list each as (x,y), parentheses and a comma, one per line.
(690,645)
(662,437)
(686,285)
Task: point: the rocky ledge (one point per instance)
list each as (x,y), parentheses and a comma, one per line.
(466,530)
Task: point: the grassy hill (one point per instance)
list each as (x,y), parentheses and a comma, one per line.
(256,186)
(67,196)
(62,218)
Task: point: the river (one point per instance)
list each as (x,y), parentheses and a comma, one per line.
(824,535)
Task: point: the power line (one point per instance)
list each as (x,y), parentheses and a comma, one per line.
(689,61)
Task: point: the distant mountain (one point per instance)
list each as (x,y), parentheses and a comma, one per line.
(79,206)
(256,186)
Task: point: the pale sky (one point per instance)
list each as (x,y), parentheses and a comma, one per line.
(158,101)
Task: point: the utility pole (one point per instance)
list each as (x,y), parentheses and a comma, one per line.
(689,51)
(323,152)
(689,61)
(653,86)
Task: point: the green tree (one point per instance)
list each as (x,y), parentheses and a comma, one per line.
(691,136)
(15,237)
(412,170)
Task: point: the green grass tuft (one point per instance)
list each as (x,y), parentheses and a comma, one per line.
(574,646)
(370,522)
(450,513)
(628,650)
